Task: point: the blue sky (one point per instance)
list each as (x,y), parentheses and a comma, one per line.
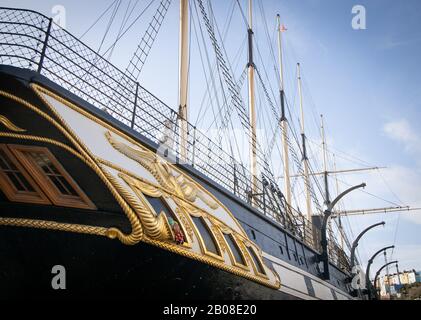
(366,83)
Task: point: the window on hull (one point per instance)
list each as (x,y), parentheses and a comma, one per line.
(238,257)
(256,260)
(35,170)
(16,183)
(206,235)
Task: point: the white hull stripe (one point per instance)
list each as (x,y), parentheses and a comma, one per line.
(293,278)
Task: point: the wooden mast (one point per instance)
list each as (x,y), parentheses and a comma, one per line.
(303,141)
(252,109)
(284,122)
(327,196)
(183,76)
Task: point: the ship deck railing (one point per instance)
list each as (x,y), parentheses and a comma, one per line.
(33,41)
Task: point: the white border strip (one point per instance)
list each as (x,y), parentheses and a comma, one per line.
(305,273)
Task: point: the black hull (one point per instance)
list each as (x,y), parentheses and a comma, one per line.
(101,268)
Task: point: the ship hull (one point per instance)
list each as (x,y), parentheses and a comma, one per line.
(98,268)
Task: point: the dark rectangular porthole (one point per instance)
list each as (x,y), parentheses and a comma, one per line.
(234,249)
(159,206)
(256,260)
(206,235)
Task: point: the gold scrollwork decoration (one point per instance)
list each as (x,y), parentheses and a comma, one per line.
(10,125)
(185,222)
(162,172)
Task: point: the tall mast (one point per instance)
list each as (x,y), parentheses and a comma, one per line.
(327,197)
(183,75)
(303,141)
(341,230)
(284,122)
(252,109)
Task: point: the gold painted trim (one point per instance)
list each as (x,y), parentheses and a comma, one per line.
(52,225)
(38,89)
(10,125)
(137,236)
(191,207)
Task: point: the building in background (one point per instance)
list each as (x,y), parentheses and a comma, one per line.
(390,285)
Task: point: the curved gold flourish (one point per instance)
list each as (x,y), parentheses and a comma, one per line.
(156,227)
(10,125)
(162,172)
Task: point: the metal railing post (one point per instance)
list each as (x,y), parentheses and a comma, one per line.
(44,47)
(194,147)
(135,105)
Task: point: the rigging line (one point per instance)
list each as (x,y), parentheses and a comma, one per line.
(212,78)
(144,47)
(208,86)
(371,194)
(209,65)
(130,26)
(226,28)
(110,22)
(101,56)
(344,156)
(242,14)
(266,121)
(240,82)
(266,28)
(295,136)
(223,94)
(123,24)
(388,186)
(215,25)
(97,20)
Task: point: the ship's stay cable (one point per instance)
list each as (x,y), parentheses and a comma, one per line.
(124,21)
(200,115)
(107,29)
(136,63)
(99,56)
(110,23)
(213,85)
(242,14)
(98,19)
(221,80)
(129,27)
(239,105)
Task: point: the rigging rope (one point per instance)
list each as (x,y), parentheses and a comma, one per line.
(139,57)
(98,19)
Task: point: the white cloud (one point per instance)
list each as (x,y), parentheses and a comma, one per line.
(402,132)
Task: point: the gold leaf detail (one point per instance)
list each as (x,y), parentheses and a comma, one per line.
(10,125)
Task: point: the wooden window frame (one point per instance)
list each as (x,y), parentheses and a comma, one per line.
(9,189)
(81,201)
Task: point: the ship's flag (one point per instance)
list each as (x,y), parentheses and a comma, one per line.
(283,28)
